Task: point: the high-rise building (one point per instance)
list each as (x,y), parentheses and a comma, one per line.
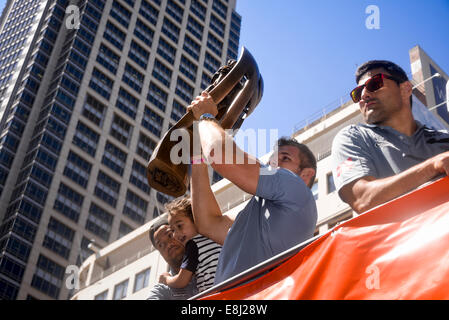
(87,88)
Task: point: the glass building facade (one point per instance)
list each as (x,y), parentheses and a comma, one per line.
(82,106)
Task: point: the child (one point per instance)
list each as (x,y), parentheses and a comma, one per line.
(201,253)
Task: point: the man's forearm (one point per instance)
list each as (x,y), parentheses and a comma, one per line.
(227,158)
(180,280)
(206,212)
(368,193)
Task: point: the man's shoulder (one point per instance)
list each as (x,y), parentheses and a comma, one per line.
(352,134)
(354,130)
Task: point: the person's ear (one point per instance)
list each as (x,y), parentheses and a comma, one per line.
(307,174)
(406,90)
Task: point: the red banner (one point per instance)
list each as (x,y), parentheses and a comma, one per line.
(399,250)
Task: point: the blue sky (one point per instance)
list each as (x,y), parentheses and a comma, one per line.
(307,51)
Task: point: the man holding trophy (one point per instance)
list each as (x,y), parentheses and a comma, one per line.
(281,214)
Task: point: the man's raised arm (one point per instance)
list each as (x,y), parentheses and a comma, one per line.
(207,214)
(220,149)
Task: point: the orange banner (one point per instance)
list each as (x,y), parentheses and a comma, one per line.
(396,251)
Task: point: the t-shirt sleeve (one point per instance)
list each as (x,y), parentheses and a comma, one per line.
(284,188)
(190,259)
(351,158)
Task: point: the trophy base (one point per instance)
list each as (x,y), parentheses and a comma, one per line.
(165,179)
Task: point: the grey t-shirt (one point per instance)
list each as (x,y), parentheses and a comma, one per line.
(282,214)
(380,151)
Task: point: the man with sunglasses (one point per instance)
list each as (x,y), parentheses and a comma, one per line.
(392,153)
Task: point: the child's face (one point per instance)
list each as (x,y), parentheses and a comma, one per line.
(184,229)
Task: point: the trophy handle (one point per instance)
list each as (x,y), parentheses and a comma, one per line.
(236,94)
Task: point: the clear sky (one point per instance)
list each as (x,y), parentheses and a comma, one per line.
(307,51)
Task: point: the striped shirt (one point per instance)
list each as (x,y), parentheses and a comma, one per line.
(201,258)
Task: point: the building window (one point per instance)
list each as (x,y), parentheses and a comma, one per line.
(188,68)
(145,147)
(152,121)
(101,83)
(138,54)
(330,183)
(210,63)
(315,190)
(191,47)
(216,25)
(133,78)
(120,13)
(144,33)
(114,35)
(163,198)
(175,11)
(138,177)
(205,81)
(12,269)
(86,138)
(195,28)
(127,103)
(214,44)
(157,96)
(166,51)
(123,230)
(114,158)
(99,221)
(48,277)
(142,279)
(102,296)
(108,59)
(121,130)
(198,9)
(77,169)
(162,73)
(149,12)
(94,110)
(170,30)
(135,207)
(120,290)
(107,189)
(68,202)
(178,111)
(16,247)
(59,238)
(219,8)
(184,90)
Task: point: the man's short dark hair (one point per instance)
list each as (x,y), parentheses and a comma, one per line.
(392,68)
(155,226)
(306,156)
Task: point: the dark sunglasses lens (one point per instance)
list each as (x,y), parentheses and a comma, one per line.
(375,83)
(356,94)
